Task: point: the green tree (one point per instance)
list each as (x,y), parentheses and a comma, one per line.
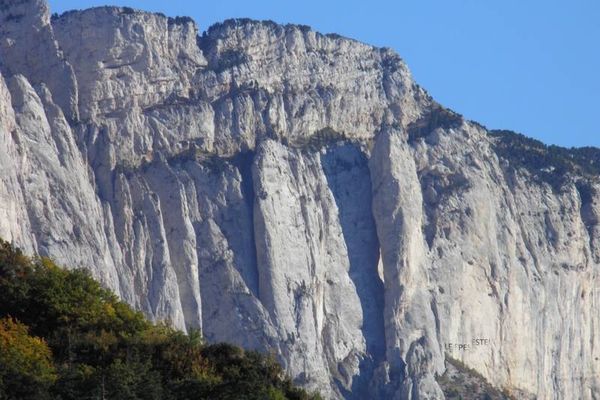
(26,368)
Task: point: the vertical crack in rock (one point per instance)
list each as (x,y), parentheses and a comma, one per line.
(243,162)
(347,173)
(320,291)
(180,235)
(412,352)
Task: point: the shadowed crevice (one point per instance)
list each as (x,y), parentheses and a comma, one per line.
(347,173)
(243,161)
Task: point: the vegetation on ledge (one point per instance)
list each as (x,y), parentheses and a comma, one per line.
(321,138)
(63,336)
(435,117)
(552,164)
(460,382)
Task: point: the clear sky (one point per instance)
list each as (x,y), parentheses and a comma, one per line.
(532,66)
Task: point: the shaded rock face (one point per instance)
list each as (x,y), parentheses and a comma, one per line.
(296,193)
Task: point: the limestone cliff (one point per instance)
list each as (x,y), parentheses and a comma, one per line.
(299,193)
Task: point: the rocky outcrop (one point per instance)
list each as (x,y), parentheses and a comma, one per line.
(298,193)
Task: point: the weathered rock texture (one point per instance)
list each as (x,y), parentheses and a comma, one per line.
(299,193)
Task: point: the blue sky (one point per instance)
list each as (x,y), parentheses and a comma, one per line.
(532,66)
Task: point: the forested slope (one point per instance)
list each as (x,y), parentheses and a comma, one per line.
(63,336)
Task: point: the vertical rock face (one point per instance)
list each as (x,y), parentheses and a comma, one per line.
(410,326)
(28,47)
(298,193)
(317,261)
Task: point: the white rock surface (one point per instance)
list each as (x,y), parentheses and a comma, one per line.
(297,193)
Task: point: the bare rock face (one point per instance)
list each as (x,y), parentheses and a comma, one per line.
(28,47)
(298,193)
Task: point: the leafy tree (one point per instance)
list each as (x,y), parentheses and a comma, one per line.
(26,368)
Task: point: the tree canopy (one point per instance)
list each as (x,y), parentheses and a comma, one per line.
(63,336)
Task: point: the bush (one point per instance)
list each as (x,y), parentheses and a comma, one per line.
(26,368)
(436,117)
